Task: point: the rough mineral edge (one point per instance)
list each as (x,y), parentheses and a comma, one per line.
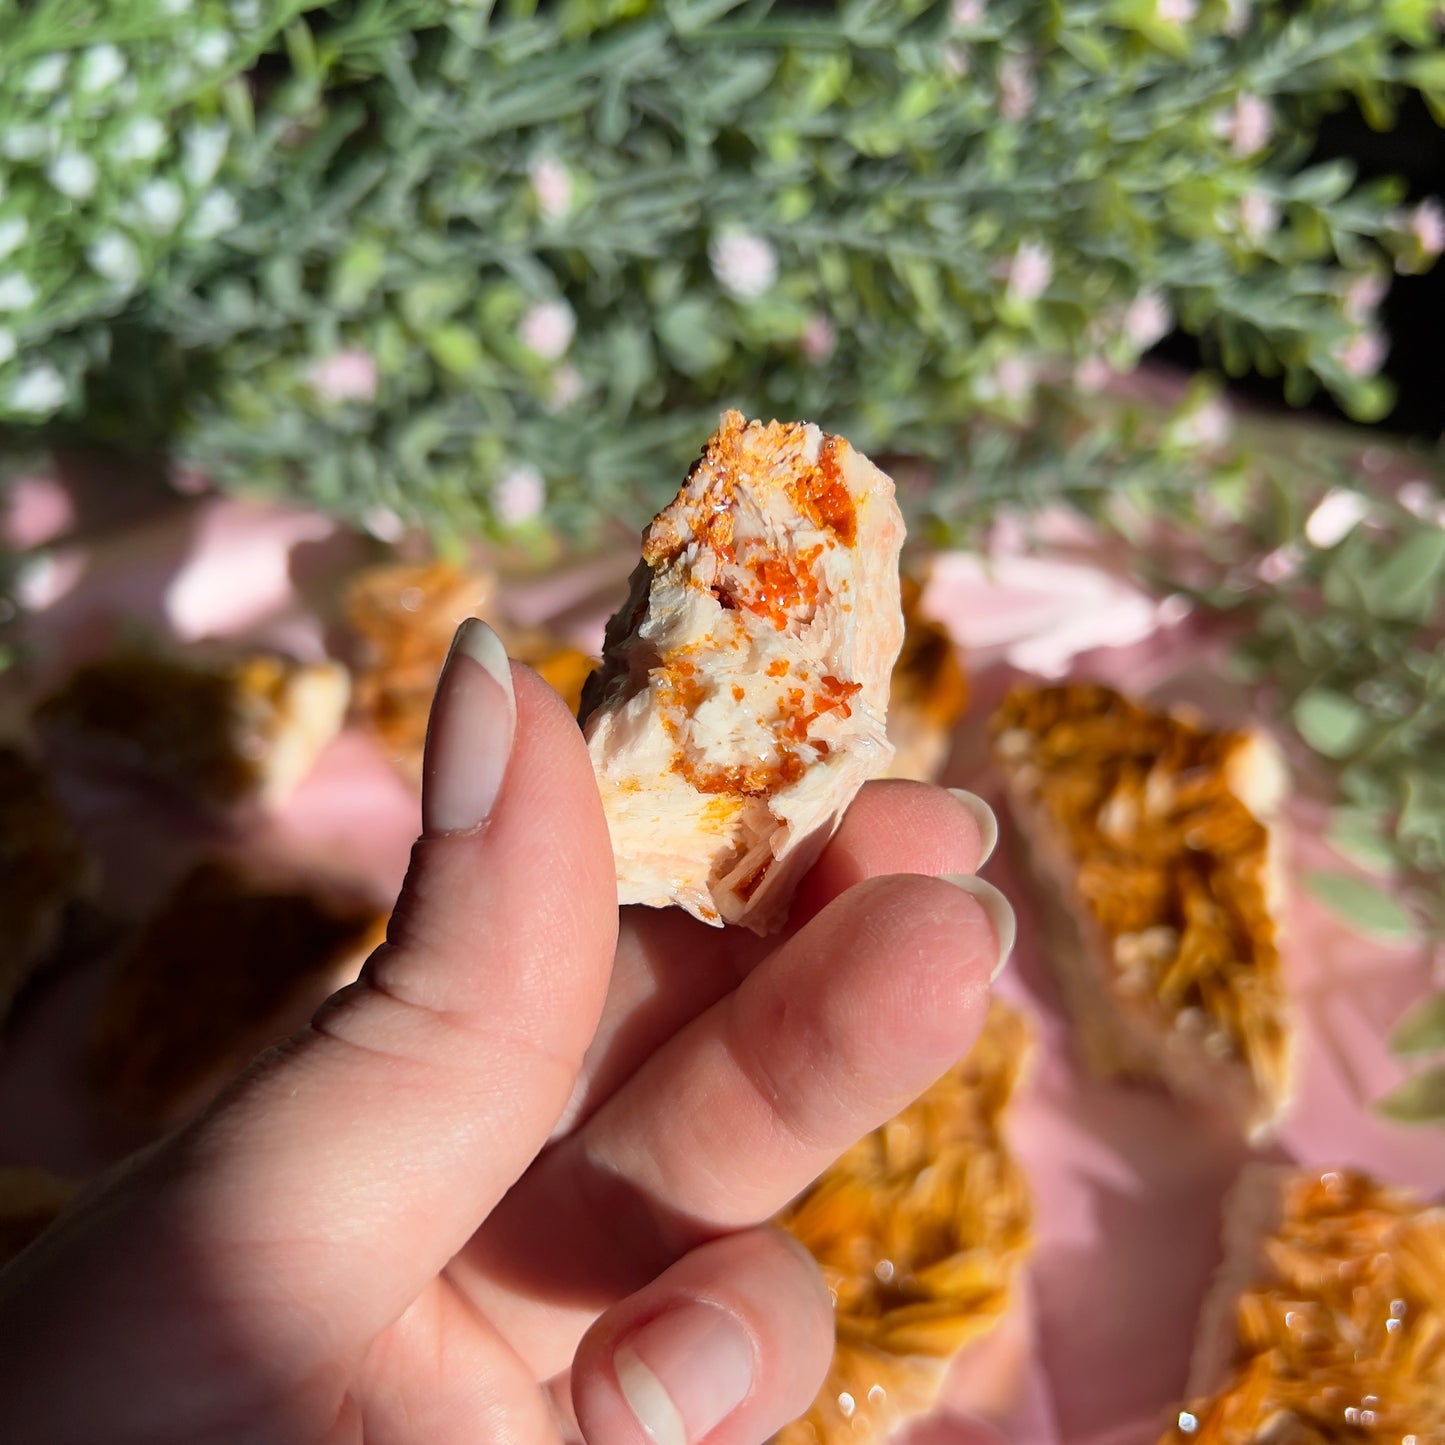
(1325,1324)
(743,695)
(1154,843)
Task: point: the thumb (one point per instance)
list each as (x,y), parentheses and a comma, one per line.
(387,1131)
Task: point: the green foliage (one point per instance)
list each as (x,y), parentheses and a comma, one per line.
(469,238)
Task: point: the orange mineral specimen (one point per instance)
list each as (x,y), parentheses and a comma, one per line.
(1150,837)
(1327,1322)
(920,1229)
(744,688)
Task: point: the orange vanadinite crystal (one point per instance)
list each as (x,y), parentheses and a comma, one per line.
(1171,864)
(1341,1338)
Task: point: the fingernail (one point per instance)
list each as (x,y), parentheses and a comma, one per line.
(999,909)
(685,1372)
(984,817)
(469,735)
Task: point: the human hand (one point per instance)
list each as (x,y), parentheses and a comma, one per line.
(529,1148)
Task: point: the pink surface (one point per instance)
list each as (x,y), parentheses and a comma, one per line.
(1128,1182)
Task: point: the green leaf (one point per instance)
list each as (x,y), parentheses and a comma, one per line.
(689,332)
(455,348)
(1404,585)
(1330,723)
(1422,1030)
(1365,907)
(1357,837)
(1419,1100)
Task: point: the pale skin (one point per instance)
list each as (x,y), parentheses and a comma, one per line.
(537,1139)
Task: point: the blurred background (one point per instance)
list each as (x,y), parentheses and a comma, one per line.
(323,326)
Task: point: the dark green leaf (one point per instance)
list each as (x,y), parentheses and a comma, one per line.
(1404,585)
(1331,723)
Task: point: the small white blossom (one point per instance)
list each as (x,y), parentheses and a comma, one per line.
(745,264)
(74,174)
(551,184)
(100,67)
(819,339)
(217,212)
(1248,126)
(45,76)
(1147,319)
(383,524)
(346,375)
(1237,15)
(1280,564)
(8,344)
(161,205)
(520,496)
(13,231)
(115,257)
(205,149)
(211,49)
(1176,12)
(1361,295)
(1014,378)
(1337,515)
(547,329)
(1092,375)
(16,292)
(1029,272)
(1206,426)
(1258,215)
(27,142)
(1364,353)
(566,387)
(38,390)
(1422,500)
(142,140)
(966,14)
(1016,89)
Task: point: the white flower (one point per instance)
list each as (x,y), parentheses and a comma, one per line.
(1362,294)
(13,231)
(819,339)
(383,524)
(1206,426)
(216,212)
(347,375)
(551,183)
(744,263)
(1364,353)
(1092,375)
(1422,500)
(142,140)
(1147,319)
(1016,89)
(520,496)
(1176,12)
(1014,378)
(966,14)
(1237,15)
(211,49)
(1427,224)
(73,174)
(161,204)
(1258,215)
(115,257)
(100,67)
(16,292)
(1283,562)
(205,149)
(8,344)
(1029,272)
(38,390)
(567,386)
(1248,126)
(27,142)
(45,76)
(1335,517)
(547,329)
